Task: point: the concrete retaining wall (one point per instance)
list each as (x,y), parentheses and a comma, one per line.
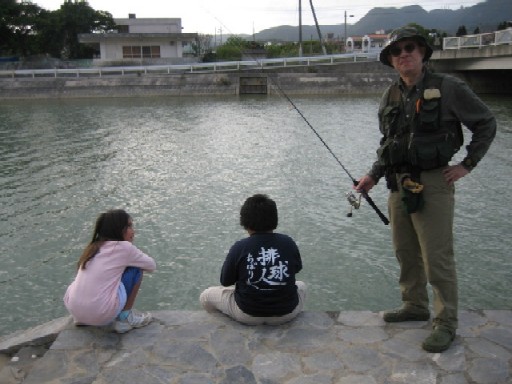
(354,78)
(346,78)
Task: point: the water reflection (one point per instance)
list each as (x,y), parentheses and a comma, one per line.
(183,166)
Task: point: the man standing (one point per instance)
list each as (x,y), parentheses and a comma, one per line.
(420,118)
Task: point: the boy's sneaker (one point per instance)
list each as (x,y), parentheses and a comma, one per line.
(134,320)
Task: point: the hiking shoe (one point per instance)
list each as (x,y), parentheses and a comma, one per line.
(402,314)
(439,340)
(134,320)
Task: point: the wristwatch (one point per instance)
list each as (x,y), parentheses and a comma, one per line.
(468,164)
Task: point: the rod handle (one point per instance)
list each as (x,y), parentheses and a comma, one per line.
(372,204)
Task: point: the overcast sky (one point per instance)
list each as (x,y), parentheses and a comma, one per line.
(245,16)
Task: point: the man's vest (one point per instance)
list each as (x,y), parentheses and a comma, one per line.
(423,142)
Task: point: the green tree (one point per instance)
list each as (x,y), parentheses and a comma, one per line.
(285,49)
(17,22)
(48,33)
(228,53)
(27,29)
(235,41)
(202,45)
(232,49)
(75,17)
(504,25)
(461,31)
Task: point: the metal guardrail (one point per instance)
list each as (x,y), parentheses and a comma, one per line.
(191,68)
(479,40)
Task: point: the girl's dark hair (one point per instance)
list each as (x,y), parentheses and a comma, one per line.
(259,213)
(110,225)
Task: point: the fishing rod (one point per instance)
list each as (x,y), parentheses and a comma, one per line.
(354,203)
(351,198)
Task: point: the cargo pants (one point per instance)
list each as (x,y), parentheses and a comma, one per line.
(423,245)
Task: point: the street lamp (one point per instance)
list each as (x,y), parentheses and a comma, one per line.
(345,37)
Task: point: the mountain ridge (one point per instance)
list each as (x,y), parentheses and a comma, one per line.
(485,15)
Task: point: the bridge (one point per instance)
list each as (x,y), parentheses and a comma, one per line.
(485,51)
(483,60)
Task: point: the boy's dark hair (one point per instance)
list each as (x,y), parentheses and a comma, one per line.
(259,213)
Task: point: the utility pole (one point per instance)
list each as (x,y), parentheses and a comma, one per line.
(324,51)
(300,28)
(345,37)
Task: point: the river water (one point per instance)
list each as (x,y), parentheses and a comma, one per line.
(182,167)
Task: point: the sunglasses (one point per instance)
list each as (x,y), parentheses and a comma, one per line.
(396,51)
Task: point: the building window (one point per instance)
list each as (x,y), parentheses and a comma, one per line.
(137,51)
(130,52)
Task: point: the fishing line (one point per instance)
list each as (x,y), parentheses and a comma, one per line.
(354,203)
(316,133)
(350,197)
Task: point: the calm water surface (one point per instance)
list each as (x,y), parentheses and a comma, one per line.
(183,166)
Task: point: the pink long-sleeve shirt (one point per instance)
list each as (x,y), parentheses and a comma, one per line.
(92,297)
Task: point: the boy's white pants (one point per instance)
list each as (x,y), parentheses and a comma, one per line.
(223,299)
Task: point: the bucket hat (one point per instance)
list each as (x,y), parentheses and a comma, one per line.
(409,33)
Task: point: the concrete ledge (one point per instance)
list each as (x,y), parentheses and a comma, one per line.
(348,347)
(41,335)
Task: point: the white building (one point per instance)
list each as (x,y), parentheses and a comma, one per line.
(144,41)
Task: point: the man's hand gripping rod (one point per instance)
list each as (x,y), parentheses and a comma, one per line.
(371,202)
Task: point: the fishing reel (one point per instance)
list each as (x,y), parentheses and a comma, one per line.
(353,201)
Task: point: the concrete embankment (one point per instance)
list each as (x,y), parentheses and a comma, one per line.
(348,78)
(195,347)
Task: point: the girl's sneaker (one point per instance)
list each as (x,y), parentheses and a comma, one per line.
(134,320)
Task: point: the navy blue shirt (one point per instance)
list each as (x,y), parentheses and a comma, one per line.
(263,268)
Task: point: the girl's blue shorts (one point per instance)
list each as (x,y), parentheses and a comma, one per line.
(131,277)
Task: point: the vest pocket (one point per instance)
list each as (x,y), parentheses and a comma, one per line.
(431,151)
(393,152)
(429,116)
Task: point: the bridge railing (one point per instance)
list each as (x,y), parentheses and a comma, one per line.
(195,67)
(478,40)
